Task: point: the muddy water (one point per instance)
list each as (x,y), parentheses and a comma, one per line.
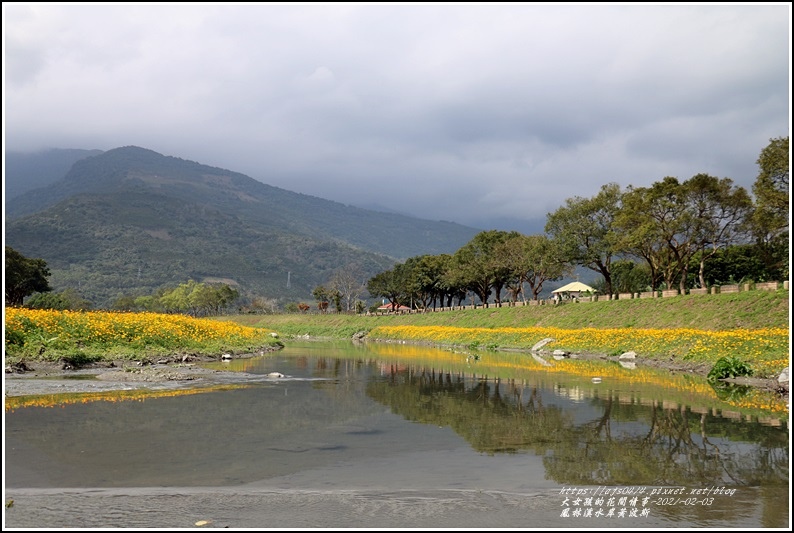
(350,438)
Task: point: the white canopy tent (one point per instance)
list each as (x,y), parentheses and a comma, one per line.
(576,287)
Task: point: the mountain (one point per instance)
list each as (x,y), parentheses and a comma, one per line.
(130,220)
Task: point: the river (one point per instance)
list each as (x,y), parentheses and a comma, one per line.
(394,436)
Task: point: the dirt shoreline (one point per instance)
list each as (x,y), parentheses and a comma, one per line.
(50,377)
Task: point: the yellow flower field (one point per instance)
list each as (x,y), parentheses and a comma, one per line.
(766,350)
(70,331)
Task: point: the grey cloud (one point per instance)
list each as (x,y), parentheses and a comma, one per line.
(441,111)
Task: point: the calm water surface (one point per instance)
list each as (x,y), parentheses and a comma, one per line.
(389,436)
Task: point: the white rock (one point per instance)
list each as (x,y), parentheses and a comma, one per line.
(596,380)
(628,355)
(541,343)
(275,375)
(784,375)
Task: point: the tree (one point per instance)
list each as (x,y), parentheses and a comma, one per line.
(479,269)
(323,296)
(447,286)
(24,276)
(348,282)
(670,222)
(771,216)
(771,188)
(736,264)
(198,298)
(68,299)
(629,276)
(336,297)
(584,231)
(531,259)
(720,212)
(176,300)
(640,234)
(388,284)
(422,276)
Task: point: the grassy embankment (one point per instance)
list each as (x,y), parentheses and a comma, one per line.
(752,326)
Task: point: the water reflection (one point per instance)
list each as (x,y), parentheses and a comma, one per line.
(348,416)
(604,442)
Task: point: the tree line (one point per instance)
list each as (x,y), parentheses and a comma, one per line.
(27,276)
(672,234)
(192,298)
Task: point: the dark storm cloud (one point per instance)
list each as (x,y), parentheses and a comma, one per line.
(466,112)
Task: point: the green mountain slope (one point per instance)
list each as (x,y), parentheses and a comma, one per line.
(109,245)
(232,193)
(131,220)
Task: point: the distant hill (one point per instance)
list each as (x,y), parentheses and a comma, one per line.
(28,171)
(130,220)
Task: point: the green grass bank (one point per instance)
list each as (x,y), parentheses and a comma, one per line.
(718,312)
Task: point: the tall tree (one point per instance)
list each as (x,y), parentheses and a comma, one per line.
(664,218)
(389,285)
(639,235)
(449,285)
(583,229)
(478,267)
(771,217)
(422,274)
(532,260)
(720,212)
(771,188)
(24,276)
(670,222)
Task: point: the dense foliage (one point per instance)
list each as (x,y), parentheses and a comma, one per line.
(23,276)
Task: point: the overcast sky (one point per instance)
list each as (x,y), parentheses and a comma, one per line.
(460,112)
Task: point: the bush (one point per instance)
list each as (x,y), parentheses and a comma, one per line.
(729,367)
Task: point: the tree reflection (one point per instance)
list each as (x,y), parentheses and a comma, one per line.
(623,444)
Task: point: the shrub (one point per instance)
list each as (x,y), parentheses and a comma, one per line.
(729,367)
